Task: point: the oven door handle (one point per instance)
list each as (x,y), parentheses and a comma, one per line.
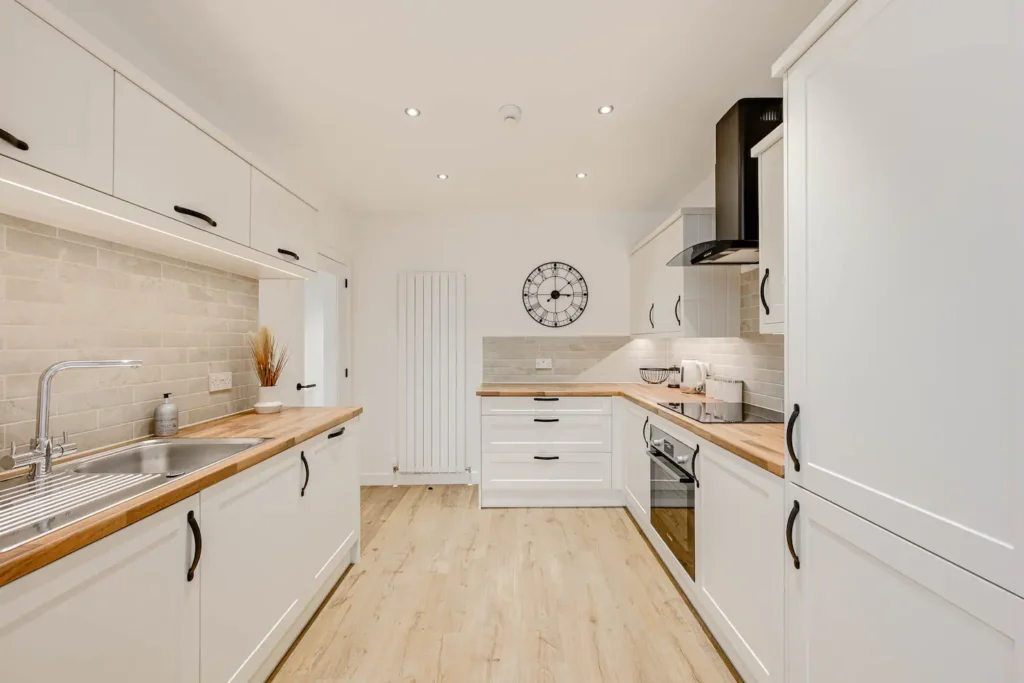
(661,461)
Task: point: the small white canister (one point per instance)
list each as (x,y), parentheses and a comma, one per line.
(724,389)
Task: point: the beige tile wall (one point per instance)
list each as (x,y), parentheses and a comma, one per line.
(574,359)
(65,296)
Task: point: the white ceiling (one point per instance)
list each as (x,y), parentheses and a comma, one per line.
(317,88)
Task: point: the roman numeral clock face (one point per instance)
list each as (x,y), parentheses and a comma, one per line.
(555,294)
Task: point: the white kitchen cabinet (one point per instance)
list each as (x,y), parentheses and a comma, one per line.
(740,556)
(252,575)
(636,464)
(58,100)
(120,609)
(903,245)
(329,509)
(283,225)
(166,164)
(866,605)
(771,177)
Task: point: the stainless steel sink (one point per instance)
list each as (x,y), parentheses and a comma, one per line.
(30,508)
(169,457)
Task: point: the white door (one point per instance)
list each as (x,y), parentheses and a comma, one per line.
(636,430)
(57,108)
(282,225)
(771,234)
(865,605)
(641,305)
(740,572)
(904,238)
(664,283)
(252,571)
(332,284)
(164,163)
(121,609)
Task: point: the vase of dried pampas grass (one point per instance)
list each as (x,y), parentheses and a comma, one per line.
(268,360)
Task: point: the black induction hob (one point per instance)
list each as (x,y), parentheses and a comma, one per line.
(725,412)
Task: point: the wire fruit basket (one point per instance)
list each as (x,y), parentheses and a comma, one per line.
(654,375)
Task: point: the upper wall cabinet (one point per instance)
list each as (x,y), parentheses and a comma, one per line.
(695,301)
(772,229)
(166,164)
(283,225)
(57,108)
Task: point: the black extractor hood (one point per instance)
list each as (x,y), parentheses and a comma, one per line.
(736,220)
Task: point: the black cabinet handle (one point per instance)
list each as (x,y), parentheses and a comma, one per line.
(196,214)
(789,532)
(764,302)
(545,457)
(300,386)
(650,316)
(13,141)
(545,419)
(336,434)
(544,398)
(197,535)
(789,435)
(287,252)
(305,465)
(693,465)
(643,431)
(679,300)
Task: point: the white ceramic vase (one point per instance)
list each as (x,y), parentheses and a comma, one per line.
(265,402)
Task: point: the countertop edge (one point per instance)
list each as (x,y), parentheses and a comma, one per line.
(26,558)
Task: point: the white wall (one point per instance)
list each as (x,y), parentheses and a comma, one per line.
(702,195)
(496,251)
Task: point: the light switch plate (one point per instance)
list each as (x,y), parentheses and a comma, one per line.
(220,381)
(542,364)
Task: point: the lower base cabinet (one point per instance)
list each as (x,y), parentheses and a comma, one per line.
(121,609)
(866,605)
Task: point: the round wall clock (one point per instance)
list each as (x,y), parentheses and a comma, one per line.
(555,294)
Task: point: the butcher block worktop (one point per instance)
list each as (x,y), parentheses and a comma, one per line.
(761,444)
(285,429)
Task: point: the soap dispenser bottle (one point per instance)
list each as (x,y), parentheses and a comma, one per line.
(165,419)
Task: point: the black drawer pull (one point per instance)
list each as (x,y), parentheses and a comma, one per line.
(300,386)
(679,300)
(789,532)
(545,457)
(197,535)
(544,398)
(643,430)
(693,465)
(336,434)
(789,435)
(305,466)
(650,316)
(287,252)
(545,419)
(764,301)
(13,141)
(196,214)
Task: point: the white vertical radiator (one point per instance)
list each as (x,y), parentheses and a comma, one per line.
(431,372)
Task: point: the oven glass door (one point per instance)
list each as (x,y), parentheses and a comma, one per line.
(673,510)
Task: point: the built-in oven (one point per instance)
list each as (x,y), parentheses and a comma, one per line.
(674,496)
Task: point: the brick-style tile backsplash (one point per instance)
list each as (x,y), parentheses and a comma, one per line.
(65,296)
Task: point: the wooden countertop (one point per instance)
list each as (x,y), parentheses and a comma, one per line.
(285,429)
(761,444)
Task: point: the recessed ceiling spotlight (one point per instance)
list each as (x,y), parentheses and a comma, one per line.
(605,109)
(442,176)
(412,111)
(581,176)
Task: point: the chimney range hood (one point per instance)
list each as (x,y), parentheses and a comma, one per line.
(736,188)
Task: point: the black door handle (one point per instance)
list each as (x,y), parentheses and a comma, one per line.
(643,430)
(197,535)
(544,398)
(545,457)
(650,316)
(300,386)
(764,302)
(679,300)
(287,252)
(305,465)
(336,434)
(693,465)
(196,214)
(789,435)
(545,419)
(789,532)
(13,141)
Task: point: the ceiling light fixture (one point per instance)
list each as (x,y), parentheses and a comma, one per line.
(581,176)
(605,109)
(412,111)
(442,176)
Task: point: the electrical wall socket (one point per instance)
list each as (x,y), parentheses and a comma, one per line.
(542,364)
(220,381)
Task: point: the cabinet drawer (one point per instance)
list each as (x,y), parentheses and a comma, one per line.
(283,225)
(161,160)
(533,471)
(573,434)
(546,405)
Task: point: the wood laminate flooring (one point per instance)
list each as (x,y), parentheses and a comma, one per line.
(448,592)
